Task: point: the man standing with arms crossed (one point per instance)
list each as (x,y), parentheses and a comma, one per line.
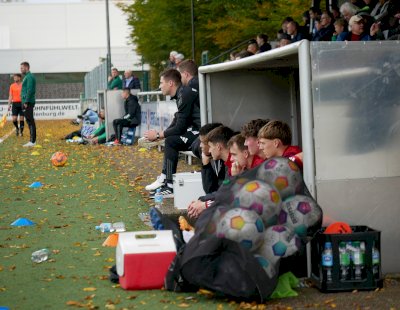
(14,103)
(28,96)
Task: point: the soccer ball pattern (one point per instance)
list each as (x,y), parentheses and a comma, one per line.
(299,213)
(268,267)
(262,198)
(58,159)
(284,174)
(279,241)
(243,226)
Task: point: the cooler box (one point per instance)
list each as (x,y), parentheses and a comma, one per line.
(187,187)
(143,258)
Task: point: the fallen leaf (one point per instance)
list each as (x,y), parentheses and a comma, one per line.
(183,305)
(89,289)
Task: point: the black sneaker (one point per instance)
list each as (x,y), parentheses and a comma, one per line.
(167,191)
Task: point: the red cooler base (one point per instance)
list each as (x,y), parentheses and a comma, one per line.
(145,271)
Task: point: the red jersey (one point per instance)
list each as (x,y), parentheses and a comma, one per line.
(257,160)
(228,164)
(290,153)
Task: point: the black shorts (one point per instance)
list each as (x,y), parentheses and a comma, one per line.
(17,109)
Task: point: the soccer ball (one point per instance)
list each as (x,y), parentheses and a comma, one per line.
(279,241)
(284,174)
(219,212)
(243,226)
(260,197)
(58,159)
(300,213)
(268,267)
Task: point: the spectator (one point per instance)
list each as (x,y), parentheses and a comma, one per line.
(15,105)
(178,59)
(232,55)
(250,132)
(189,73)
(218,147)
(262,41)
(252,47)
(243,54)
(292,30)
(367,6)
(114,81)
(284,40)
(348,10)
(241,158)
(171,61)
(315,13)
(181,133)
(340,27)
(130,81)
(356,30)
(327,29)
(132,115)
(275,140)
(99,135)
(306,23)
(335,11)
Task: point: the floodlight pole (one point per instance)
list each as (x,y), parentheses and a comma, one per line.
(193,37)
(108,41)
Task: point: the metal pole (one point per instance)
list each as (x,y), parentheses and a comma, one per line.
(193,37)
(108,41)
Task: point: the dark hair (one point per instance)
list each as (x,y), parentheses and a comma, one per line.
(204,130)
(316,10)
(244,54)
(221,134)
(239,139)
(263,36)
(288,19)
(252,128)
(126,89)
(18,74)
(171,75)
(276,130)
(189,66)
(285,36)
(25,64)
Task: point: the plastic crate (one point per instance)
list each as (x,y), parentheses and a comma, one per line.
(368,281)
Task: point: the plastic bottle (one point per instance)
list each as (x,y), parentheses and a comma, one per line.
(375,261)
(344,260)
(158,198)
(105,227)
(40,255)
(327,261)
(118,227)
(357,260)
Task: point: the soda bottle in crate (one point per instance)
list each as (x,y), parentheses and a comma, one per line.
(344,260)
(327,261)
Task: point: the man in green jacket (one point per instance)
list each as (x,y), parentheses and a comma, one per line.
(99,135)
(28,99)
(114,81)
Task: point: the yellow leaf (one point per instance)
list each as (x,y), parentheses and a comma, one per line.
(183,305)
(89,289)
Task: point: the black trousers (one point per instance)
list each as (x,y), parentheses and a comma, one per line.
(118,125)
(31,122)
(173,145)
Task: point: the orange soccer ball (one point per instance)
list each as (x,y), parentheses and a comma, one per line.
(58,159)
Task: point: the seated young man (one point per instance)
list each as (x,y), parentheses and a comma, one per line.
(183,130)
(275,139)
(250,132)
(99,135)
(218,147)
(132,117)
(212,171)
(241,158)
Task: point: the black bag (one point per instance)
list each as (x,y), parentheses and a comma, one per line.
(220,265)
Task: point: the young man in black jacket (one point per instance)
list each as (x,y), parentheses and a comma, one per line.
(183,130)
(132,117)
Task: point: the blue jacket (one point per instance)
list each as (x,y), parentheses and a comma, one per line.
(133,84)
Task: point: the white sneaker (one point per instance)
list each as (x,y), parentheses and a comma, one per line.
(1,140)
(156,184)
(29,144)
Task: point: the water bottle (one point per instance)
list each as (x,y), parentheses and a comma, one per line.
(118,227)
(357,260)
(344,260)
(327,261)
(158,198)
(40,256)
(105,227)
(375,261)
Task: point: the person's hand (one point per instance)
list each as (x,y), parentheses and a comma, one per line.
(195,208)
(90,136)
(236,169)
(9,107)
(25,106)
(397,15)
(205,160)
(109,78)
(151,134)
(374,29)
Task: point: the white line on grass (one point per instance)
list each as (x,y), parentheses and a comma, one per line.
(6,136)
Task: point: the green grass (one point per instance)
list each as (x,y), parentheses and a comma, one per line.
(74,198)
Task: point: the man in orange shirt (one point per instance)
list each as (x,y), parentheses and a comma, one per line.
(14,103)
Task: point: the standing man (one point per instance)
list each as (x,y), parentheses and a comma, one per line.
(14,103)
(132,115)
(183,130)
(130,81)
(189,73)
(114,81)
(28,96)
